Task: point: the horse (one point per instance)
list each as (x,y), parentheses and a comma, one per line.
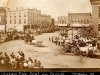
(36,43)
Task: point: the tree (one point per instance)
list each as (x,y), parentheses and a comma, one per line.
(88,32)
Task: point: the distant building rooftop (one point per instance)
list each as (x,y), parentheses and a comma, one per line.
(78,13)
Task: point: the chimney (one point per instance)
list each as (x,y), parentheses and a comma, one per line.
(16,8)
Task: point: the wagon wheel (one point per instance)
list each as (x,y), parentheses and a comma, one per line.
(73,50)
(90,53)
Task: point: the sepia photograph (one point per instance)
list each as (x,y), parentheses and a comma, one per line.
(50,35)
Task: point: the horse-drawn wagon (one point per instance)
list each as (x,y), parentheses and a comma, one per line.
(77,50)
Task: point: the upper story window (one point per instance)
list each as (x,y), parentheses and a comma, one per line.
(10,15)
(24,14)
(33,15)
(19,21)
(15,15)
(10,21)
(15,21)
(19,14)
(24,21)
(87,20)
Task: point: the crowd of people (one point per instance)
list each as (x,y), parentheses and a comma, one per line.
(18,61)
(76,41)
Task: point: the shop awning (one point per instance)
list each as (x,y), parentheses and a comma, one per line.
(62,24)
(79,25)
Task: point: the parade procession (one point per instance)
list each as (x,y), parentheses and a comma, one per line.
(31,40)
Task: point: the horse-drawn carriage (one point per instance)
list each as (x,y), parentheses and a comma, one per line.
(79,50)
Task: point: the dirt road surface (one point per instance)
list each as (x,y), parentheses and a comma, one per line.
(51,55)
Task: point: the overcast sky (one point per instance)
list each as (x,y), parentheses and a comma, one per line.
(54,8)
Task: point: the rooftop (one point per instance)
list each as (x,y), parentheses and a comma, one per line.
(79,13)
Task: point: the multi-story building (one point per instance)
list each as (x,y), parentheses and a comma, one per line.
(2,19)
(45,20)
(52,21)
(79,19)
(62,21)
(96,16)
(23,19)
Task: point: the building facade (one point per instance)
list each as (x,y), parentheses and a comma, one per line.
(62,21)
(52,22)
(2,19)
(23,19)
(45,20)
(79,18)
(96,16)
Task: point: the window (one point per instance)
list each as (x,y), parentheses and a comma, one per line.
(33,15)
(24,14)
(84,21)
(87,20)
(19,14)
(99,11)
(10,15)
(24,21)
(19,21)
(14,21)
(60,21)
(10,21)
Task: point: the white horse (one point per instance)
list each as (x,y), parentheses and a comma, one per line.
(36,43)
